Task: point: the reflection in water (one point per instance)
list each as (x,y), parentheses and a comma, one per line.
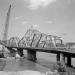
(25,64)
(21,63)
(2,64)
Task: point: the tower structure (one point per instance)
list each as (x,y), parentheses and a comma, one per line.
(6,24)
(6,28)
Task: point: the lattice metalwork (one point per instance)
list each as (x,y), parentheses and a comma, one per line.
(34,38)
(50,43)
(59,42)
(13,41)
(42,41)
(27,39)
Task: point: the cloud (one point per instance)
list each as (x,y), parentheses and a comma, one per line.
(19,17)
(35,25)
(49,22)
(24,22)
(35,4)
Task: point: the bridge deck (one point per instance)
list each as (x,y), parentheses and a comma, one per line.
(65,51)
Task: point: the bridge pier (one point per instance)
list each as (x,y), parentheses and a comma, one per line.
(20,52)
(31,55)
(12,52)
(58,57)
(69,61)
(63,58)
(2,55)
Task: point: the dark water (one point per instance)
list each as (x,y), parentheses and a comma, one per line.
(2,64)
(12,64)
(49,57)
(45,62)
(23,64)
(20,65)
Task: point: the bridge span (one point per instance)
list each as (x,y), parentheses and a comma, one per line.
(31,53)
(35,41)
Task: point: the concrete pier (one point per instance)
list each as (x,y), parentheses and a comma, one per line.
(69,61)
(31,55)
(20,52)
(63,58)
(58,57)
(12,52)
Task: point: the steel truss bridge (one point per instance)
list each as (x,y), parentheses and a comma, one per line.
(34,41)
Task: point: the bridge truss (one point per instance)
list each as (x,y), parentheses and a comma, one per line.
(36,39)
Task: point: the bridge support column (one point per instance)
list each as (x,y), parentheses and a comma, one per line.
(63,59)
(58,57)
(20,52)
(31,55)
(69,61)
(12,52)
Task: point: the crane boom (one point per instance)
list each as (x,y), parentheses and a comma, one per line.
(6,29)
(7,24)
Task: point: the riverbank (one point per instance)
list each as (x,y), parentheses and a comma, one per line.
(45,62)
(20,64)
(14,66)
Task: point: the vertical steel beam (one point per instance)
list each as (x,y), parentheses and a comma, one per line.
(39,40)
(32,40)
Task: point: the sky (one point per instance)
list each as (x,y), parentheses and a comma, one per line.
(54,17)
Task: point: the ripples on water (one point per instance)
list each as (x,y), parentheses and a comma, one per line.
(45,59)
(50,57)
(2,64)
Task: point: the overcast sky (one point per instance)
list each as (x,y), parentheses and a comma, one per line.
(55,17)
